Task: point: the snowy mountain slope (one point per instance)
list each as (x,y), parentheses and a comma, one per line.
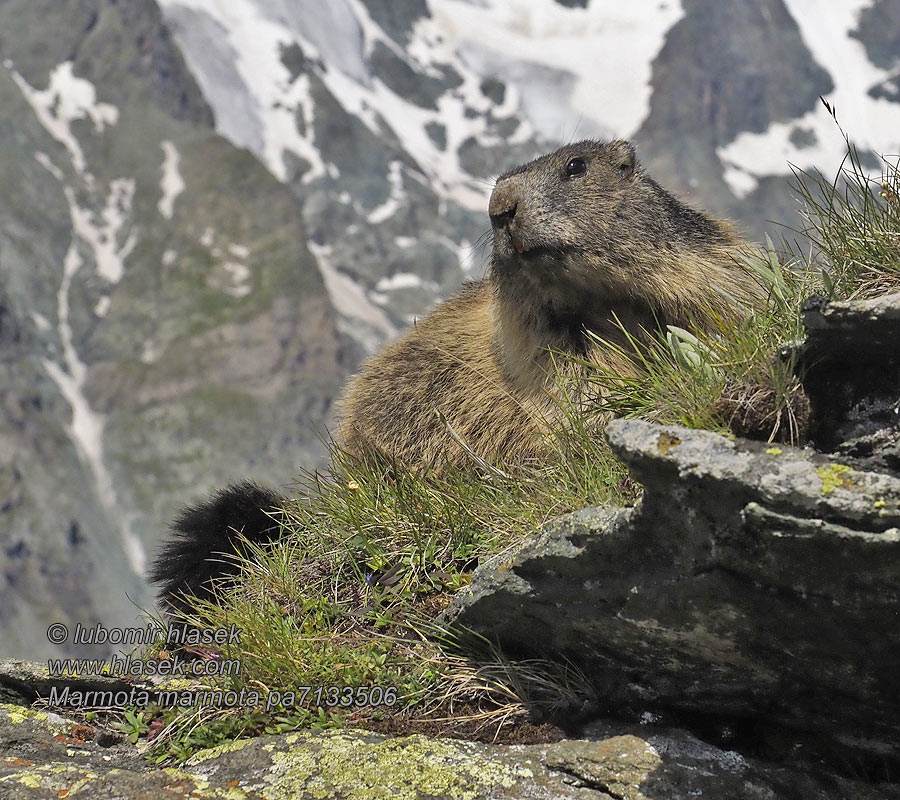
(809,141)
(165,328)
(361,105)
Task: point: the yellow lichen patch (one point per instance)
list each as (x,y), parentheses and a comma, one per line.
(774,451)
(393,769)
(833,477)
(666,443)
(213,752)
(16,714)
(19,714)
(880,503)
(54,778)
(24,778)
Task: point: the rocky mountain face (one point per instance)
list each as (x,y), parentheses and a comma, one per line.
(213,211)
(164,326)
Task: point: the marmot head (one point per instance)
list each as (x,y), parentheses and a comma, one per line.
(585,226)
(550,215)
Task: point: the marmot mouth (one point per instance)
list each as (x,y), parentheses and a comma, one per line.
(522,253)
(543,251)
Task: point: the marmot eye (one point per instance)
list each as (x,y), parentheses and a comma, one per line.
(576,166)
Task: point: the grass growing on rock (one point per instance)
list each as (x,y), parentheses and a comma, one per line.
(736,375)
(853,223)
(372,552)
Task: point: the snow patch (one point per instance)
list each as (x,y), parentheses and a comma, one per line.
(349,298)
(66,99)
(397,194)
(870,123)
(399,280)
(86,427)
(47,163)
(42,323)
(171,184)
(102,306)
(228,276)
(150,352)
(168,257)
(103,237)
(239,274)
(465,252)
(740,182)
(602,55)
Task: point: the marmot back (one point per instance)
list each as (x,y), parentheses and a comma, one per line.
(583,240)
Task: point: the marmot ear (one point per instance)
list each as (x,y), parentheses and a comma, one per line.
(623,157)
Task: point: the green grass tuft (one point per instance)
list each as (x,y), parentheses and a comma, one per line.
(736,375)
(853,223)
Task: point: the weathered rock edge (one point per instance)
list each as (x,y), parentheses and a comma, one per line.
(850,367)
(44,755)
(750,582)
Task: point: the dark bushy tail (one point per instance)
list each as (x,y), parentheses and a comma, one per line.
(192,557)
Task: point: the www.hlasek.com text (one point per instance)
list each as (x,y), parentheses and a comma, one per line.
(126,666)
(166,665)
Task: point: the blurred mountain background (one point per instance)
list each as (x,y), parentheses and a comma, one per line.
(212,211)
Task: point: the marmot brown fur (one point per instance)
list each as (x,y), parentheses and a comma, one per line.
(583,238)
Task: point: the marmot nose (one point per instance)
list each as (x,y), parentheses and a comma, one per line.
(503,205)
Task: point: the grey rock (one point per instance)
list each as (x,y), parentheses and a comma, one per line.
(688,89)
(878,29)
(396,73)
(397,17)
(46,754)
(750,581)
(850,367)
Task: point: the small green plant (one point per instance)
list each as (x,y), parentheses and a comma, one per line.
(132,725)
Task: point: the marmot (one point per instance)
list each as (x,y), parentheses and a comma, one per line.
(583,240)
